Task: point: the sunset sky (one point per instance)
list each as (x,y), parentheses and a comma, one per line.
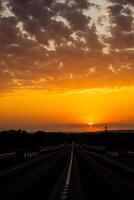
(65,64)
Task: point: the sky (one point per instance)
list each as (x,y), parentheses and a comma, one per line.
(66,65)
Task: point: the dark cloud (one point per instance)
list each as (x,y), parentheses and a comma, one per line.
(0,7)
(122,41)
(121,20)
(8,30)
(84,4)
(124,23)
(53,41)
(131,2)
(115,9)
(77,20)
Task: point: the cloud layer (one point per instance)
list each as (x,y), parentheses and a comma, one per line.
(65,44)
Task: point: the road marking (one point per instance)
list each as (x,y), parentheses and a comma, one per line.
(65,190)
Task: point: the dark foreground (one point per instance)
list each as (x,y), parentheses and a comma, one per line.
(68,172)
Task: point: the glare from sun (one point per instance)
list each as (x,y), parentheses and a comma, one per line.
(90,124)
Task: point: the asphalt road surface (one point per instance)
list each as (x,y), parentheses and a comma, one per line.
(69,173)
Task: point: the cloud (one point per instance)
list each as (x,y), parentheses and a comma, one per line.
(121,25)
(112,69)
(61,39)
(124,2)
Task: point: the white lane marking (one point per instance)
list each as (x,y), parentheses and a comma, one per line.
(67,183)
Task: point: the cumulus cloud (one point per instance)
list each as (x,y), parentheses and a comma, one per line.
(121,25)
(123,1)
(61,39)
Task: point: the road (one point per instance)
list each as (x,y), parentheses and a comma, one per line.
(69,173)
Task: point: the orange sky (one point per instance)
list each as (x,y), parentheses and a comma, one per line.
(65,64)
(68,110)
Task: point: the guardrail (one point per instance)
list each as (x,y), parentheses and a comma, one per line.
(7,155)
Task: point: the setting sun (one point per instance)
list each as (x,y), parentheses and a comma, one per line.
(70,71)
(90,124)
(67,110)
(66,99)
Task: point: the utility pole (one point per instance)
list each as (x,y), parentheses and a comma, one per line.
(106,128)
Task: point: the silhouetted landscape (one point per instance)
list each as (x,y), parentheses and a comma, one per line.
(21,139)
(66,165)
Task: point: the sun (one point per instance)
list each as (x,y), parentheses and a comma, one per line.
(90,124)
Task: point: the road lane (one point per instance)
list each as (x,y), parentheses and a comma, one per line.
(71,173)
(65,191)
(118,185)
(19,186)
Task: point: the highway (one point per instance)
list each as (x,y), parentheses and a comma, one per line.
(71,172)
